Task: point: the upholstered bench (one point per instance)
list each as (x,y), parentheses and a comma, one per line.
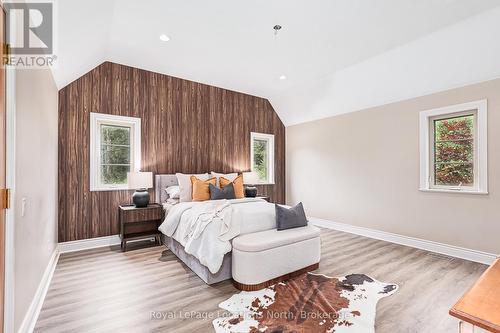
(264,258)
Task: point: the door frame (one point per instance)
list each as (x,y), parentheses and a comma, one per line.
(10,113)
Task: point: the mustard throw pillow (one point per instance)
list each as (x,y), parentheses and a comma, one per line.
(201,188)
(239,190)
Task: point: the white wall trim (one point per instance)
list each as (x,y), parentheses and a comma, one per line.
(97,119)
(33,312)
(270,155)
(10,105)
(450,250)
(481,146)
(92,243)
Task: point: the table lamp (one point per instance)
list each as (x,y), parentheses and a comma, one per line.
(250,178)
(140,182)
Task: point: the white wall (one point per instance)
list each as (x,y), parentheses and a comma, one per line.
(462,54)
(36,181)
(362,169)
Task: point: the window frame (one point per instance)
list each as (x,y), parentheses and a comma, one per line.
(98,119)
(270,156)
(427,148)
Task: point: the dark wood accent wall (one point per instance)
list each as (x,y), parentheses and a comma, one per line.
(186,127)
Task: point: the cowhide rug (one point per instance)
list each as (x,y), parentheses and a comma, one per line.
(307,303)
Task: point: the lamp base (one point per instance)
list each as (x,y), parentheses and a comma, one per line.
(140,198)
(250,191)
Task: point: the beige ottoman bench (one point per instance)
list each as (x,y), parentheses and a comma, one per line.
(264,258)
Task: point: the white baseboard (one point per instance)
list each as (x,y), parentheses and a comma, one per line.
(91,243)
(449,250)
(29,321)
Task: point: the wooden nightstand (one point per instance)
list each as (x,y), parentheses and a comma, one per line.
(140,223)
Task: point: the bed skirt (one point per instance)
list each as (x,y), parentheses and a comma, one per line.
(194,264)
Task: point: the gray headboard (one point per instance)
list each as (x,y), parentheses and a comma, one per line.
(161,183)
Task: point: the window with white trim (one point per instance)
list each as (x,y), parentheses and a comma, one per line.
(262,156)
(115,149)
(453,148)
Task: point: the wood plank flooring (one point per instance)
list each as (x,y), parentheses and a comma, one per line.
(105,290)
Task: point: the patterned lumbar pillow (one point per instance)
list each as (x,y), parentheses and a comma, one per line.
(288,218)
(224,193)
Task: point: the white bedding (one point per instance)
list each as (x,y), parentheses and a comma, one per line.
(205,229)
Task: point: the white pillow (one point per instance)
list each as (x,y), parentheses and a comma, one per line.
(185,186)
(173,192)
(228,176)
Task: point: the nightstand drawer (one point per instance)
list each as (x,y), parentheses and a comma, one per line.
(135,228)
(139,215)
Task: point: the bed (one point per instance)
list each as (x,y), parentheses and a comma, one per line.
(254,216)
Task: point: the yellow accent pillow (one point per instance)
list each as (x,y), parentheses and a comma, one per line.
(201,188)
(239,191)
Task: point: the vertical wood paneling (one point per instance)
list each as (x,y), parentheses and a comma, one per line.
(62,154)
(186,127)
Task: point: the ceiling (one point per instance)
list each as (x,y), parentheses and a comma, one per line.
(231,44)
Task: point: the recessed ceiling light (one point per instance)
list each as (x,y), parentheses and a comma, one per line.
(283,77)
(164,38)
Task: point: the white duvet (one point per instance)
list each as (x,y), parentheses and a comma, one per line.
(205,229)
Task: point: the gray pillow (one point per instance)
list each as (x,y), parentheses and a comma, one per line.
(288,218)
(222,193)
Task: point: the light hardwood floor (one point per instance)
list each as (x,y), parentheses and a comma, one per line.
(105,290)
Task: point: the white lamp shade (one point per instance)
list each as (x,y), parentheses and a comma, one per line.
(140,180)
(251,178)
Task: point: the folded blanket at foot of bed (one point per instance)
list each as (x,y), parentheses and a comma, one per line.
(206,229)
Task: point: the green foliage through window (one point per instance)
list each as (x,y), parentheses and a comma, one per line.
(260,158)
(115,154)
(454,151)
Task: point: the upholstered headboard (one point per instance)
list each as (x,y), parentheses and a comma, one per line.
(161,183)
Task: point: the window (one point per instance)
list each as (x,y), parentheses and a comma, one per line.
(262,156)
(453,148)
(115,144)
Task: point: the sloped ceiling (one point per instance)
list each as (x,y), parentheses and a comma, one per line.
(338,55)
